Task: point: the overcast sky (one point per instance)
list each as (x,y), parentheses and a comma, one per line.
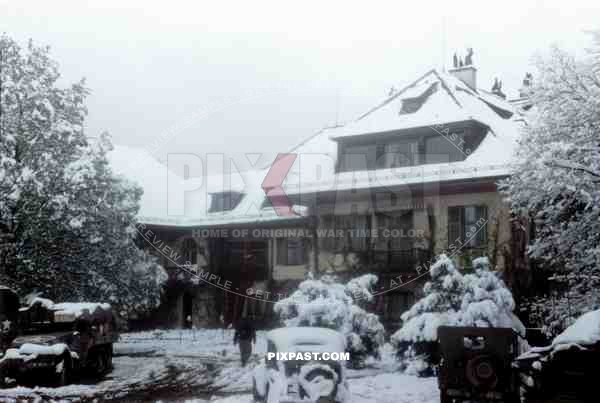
(150,64)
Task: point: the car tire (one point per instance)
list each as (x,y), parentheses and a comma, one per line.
(326,374)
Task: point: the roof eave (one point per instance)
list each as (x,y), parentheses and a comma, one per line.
(405,131)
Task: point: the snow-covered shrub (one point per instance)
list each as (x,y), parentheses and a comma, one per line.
(450,298)
(331,304)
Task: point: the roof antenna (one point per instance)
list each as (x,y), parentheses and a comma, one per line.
(337,107)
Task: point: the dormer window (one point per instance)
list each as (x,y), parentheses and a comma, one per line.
(224,201)
(420,146)
(411,105)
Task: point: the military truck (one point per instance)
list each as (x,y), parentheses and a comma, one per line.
(49,343)
(476,364)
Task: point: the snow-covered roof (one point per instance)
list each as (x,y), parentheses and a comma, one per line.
(154,178)
(315,338)
(442,99)
(445,99)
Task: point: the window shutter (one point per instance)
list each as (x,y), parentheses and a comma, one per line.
(358,237)
(454,225)
(326,242)
(379,155)
(340,224)
(282,247)
(482,218)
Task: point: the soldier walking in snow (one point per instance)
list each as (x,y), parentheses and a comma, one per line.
(245,334)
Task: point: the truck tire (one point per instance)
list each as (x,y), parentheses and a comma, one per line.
(109,357)
(101,360)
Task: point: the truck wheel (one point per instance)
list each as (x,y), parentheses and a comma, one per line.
(101,361)
(109,357)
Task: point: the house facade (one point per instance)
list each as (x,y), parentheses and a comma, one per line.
(414,177)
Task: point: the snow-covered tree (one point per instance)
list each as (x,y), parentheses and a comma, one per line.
(64,217)
(450,298)
(328,303)
(487,302)
(442,298)
(557,180)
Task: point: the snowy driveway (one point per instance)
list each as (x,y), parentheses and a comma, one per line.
(383,388)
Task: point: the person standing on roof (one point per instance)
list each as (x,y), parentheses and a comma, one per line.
(245,334)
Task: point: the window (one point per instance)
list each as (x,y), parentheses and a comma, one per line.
(396,304)
(397,154)
(247,259)
(467,226)
(401,225)
(358,157)
(355,232)
(350,233)
(190,251)
(224,201)
(444,148)
(358,232)
(413,104)
(291,251)
(394,245)
(418,147)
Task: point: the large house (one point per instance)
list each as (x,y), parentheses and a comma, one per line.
(413,177)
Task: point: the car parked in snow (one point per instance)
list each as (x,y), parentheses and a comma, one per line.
(45,342)
(567,369)
(278,379)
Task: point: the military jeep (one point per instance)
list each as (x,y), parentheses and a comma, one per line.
(476,364)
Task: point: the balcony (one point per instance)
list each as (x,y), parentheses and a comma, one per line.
(399,261)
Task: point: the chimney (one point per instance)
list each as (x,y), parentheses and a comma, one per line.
(525,90)
(466,74)
(497,89)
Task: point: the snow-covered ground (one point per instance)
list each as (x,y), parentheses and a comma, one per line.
(204,343)
(204,365)
(383,388)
